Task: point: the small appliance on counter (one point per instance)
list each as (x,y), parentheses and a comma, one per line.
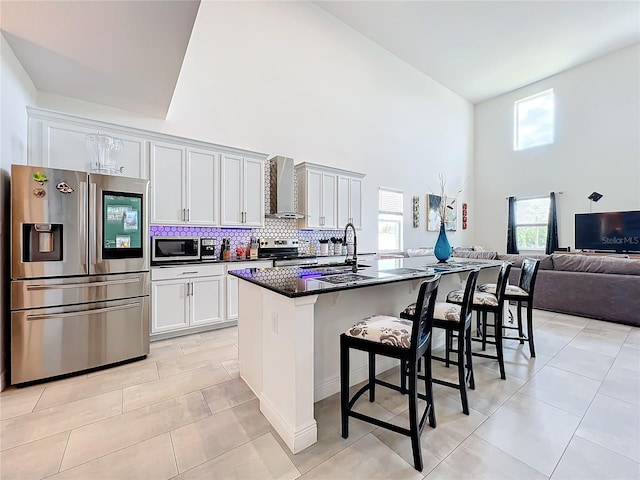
(174,249)
(208,249)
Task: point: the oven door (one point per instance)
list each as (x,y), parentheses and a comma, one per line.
(118,224)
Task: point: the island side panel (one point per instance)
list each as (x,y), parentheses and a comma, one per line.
(250,335)
(282,364)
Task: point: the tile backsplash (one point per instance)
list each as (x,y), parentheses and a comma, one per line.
(241,236)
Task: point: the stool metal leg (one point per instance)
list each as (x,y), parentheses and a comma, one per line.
(498,336)
(372,377)
(461,374)
(520,332)
(532,348)
(344,387)
(472,381)
(413,416)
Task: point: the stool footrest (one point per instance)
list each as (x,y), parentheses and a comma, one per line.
(379,423)
(445,383)
(484,355)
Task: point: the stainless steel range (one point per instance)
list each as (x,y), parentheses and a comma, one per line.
(79,269)
(284,252)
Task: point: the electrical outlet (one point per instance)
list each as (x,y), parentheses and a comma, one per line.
(274,322)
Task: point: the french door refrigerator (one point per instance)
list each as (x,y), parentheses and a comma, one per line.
(79,271)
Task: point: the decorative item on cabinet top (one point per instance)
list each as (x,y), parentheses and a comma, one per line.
(104,150)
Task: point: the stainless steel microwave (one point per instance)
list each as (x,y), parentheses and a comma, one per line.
(171,249)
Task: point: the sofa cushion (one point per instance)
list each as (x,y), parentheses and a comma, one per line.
(595,264)
(476,255)
(545,260)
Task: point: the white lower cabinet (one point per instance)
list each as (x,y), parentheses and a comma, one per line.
(232,284)
(186,297)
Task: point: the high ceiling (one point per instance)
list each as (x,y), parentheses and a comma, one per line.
(124,54)
(128,54)
(481,49)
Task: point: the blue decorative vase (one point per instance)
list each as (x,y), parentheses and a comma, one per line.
(442,250)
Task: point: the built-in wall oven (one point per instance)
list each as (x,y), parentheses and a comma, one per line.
(79,269)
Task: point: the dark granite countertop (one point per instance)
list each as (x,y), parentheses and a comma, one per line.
(301,281)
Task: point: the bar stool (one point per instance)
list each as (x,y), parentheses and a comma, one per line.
(456,321)
(406,340)
(483,304)
(523,293)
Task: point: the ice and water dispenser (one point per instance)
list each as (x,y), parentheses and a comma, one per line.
(42,242)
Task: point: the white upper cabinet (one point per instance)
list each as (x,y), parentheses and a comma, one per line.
(350,200)
(329,197)
(59,141)
(203,190)
(184,184)
(242,191)
(317,197)
(168,192)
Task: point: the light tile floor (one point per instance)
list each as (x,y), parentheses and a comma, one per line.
(184,413)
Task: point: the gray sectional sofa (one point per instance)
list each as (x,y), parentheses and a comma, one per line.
(605,288)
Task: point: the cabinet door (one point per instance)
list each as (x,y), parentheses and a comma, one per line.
(167,183)
(169,305)
(314,199)
(231,189)
(202,187)
(253,186)
(60,144)
(232,298)
(207,300)
(344,197)
(329,200)
(355,202)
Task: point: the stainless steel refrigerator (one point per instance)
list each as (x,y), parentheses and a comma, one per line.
(79,269)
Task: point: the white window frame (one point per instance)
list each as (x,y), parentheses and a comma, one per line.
(517,127)
(391,216)
(532,224)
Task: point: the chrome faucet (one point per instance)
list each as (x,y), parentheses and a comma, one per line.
(354,261)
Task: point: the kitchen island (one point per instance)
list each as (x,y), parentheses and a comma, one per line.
(290,320)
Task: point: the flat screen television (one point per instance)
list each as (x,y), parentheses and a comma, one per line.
(608,231)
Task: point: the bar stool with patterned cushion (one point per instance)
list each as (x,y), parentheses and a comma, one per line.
(456,321)
(485,303)
(406,340)
(523,293)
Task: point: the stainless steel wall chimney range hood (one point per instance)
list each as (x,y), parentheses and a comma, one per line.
(282,189)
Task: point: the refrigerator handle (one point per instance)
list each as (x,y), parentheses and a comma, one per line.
(82,225)
(81,313)
(107,283)
(92,227)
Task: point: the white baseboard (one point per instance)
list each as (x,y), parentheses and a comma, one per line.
(305,436)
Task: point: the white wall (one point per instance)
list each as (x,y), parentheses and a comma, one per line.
(288,78)
(597,147)
(16,91)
